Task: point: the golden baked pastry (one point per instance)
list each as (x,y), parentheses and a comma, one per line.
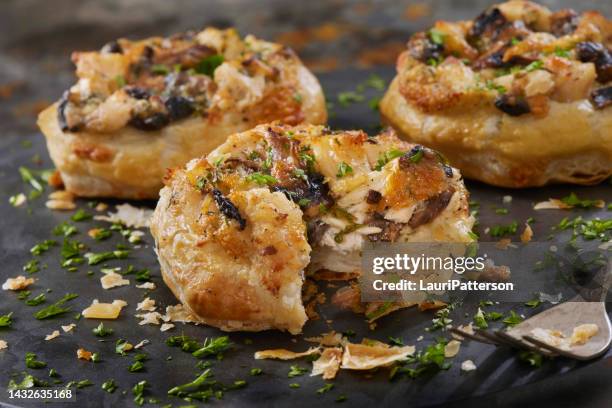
(141,107)
(518,97)
(236,231)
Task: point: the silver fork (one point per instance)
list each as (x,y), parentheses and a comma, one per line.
(563,318)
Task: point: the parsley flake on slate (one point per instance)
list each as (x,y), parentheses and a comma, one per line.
(327,387)
(533,303)
(96,258)
(513,319)
(109,386)
(503,230)
(574,201)
(35,301)
(531,357)
(65,229)
(32,266)
(102,331)
(31,362)
(81,215)
(56,308)
(213,346)
(296,371)
(43,247)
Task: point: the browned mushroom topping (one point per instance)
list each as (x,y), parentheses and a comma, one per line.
(602,97)
(373,197)
(431,208)
(599,55)
(563,22)
(512,105)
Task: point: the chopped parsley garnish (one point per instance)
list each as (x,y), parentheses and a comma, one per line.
(208,65)
(386,157)
(6,320)
(109,386)
(503,230)
(36,300)
(261,179)
(120,81)
(575,201)
(428,361)
(560,52)
(294,385)
(160,69)
(344,169)
(23,294)
(296,371)
(43,247)
(416,154)
(53,373)
(70,249)
(341,398)
(28,177)
(327,387)
(348,97)
(255,371)
(396,341)
(81,215)
(501,211)
(121,346)
(588,229)
(142,275)
(531,357)
(493,316)
(479,319)
(56,308)
(136,366)
(374,103)
(376,82)
(495,87)
(535,65)
(28,381)
(96,358)
(186,343)
(31,362)
(513,319)
(189,388)
(32,266)
(96,258)
(437,37)
(65,229)
(100,234)
(213,346)
(533,303)
(102,331)
(441,319)
(138,392)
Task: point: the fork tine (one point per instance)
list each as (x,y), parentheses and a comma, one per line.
(553,349)
(523,344)
(490,336)
(471,336)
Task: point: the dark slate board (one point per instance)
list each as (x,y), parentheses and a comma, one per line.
(500,377)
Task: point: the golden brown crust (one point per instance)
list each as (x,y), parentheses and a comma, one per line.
(117,140)
(230,229)
(518,97)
